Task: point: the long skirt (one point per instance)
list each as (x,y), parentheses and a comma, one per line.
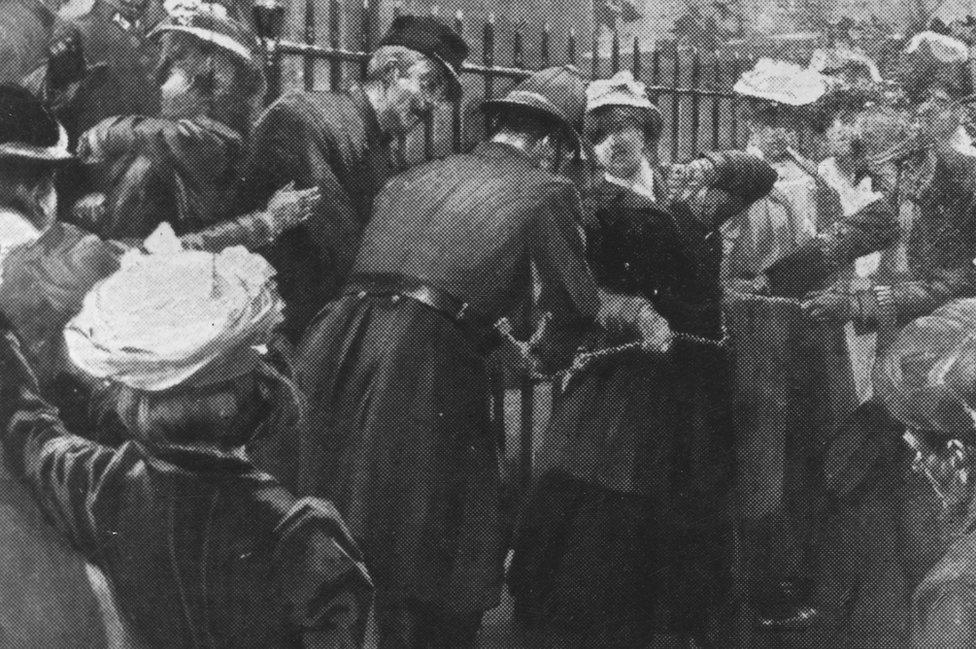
(634,498)
(397,434)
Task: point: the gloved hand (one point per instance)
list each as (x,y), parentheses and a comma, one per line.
(90,210)
(685,180)
(655,332)
(828,307)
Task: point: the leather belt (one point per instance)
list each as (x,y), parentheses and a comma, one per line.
(394,284)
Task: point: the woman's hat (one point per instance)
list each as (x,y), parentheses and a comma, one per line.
(210,24)
(27,130)
(927,377)
(556,95)
(623,90)
(433,39)
(176,318)
(782,82)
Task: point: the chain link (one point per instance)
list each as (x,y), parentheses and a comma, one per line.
(585,358)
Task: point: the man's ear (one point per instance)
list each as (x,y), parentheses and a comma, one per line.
(391,72)
(542,146)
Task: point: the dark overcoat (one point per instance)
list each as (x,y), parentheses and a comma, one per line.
(202,549)
(316,139)
(398,432)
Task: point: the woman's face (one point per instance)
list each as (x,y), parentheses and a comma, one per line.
(839,139)
(621,151)
(47,200)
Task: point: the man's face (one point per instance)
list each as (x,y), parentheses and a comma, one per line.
(412,95)
(621,151)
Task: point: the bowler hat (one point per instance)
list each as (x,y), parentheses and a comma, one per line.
(27,130)
(434,39)
(557,95)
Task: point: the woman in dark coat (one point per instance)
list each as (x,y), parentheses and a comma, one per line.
(637,458)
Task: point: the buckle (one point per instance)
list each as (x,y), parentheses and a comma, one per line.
(464,309)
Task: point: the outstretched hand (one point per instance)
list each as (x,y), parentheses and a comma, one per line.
(828,307)
(90,210)
(290,207)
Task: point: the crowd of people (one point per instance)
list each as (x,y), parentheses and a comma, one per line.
(244,393)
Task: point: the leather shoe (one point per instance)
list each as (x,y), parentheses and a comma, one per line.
(786,609)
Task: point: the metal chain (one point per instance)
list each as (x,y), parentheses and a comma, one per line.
(585,358)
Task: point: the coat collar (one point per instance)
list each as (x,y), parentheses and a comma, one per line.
(495,150)
(368,113)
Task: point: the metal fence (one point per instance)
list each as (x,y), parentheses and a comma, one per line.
(691,88)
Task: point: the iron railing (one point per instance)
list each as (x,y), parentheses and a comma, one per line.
(691,88)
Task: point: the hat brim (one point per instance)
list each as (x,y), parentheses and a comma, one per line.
(494,106)
(58,153)
(208,36)
(454,87)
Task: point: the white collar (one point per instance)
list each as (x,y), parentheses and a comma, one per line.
(853,197)
(15,230)
(642,184)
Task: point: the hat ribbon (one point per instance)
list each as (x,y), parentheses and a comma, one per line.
(23,150)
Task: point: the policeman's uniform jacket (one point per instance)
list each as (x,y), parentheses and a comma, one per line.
(397,432)
(129,57)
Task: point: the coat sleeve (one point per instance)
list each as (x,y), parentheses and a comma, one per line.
(184,139)
(64,471)
(327,592)
(740,180)
(913,299)
(743,175)
(903,301)
(567,289)
(286,148)
(874,227)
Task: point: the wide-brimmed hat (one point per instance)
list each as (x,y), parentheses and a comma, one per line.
(556,95)
(27,130)
(782,82)
(176,318)
(433,39)
(927,378)
(623,90)
(210,24)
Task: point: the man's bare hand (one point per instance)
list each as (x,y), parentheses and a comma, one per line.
(290,207)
